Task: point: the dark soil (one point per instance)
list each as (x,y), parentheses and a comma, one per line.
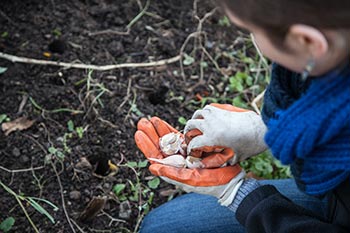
(64,31)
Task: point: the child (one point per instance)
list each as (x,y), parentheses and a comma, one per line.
(307,114)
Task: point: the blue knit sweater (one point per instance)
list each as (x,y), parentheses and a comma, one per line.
(310,132)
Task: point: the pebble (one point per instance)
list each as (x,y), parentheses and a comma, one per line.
(124,210)
(23,159)
(74,195)
(106,185)
(16,152)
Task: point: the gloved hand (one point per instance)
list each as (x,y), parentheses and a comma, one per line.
(221,182)
(223,125)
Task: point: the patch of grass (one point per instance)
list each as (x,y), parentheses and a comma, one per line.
(34,202)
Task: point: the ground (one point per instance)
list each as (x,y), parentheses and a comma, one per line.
(83,118)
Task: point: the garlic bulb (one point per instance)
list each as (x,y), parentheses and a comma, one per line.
(171,143)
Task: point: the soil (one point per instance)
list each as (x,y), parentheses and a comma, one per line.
(107,105)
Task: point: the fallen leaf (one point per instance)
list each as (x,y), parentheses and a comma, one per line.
(21,123)
(93,208)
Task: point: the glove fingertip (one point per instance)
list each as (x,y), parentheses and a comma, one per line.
(155,169)
(161,126)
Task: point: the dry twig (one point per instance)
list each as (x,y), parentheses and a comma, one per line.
(21,170)
(62,197)
(13,58)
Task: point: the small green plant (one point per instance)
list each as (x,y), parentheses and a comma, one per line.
(265,166)
(182,120)
(136,191)
(57,110)
(154,183)
(6,225)
(224,22)
(188,60)
(4,118)
(118,191)
(78,130)
(34,202)
(4,34)
(57,32)
(57,153)
(240,81)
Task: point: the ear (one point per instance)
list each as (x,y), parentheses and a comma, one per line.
(309,38)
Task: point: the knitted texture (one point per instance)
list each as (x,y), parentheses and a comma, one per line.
(248,186)
(312,133)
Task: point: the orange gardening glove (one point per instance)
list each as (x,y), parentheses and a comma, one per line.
(222,182)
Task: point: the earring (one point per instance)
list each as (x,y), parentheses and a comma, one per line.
(308,68)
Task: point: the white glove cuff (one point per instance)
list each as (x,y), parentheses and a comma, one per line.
(231,189)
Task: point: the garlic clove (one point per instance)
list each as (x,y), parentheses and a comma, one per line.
(193,162)
(171,143)
(172,160)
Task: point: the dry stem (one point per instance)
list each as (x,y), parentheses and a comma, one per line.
(13,58)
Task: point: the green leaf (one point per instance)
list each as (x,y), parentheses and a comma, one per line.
(52,150)
(204,64)
(80,131)
(142,164)
(54,207)
(188,60)
(249,80)
(2,117)
(182,120)
(4,34)
(154,183)
(2,70)
(224,21)
(132,164)
(238,102)
(60,155)
(40,209)
(236,84)
(7,224)
(118,188)
(70,125)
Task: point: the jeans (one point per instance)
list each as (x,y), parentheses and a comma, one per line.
(202,213)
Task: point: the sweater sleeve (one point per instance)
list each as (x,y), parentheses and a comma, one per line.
(267,210)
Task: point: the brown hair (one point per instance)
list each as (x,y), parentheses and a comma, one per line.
(276,16)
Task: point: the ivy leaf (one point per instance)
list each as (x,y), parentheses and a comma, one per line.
(132,164)
(2,117)
(188,60)
(142,164)
(118,188)
(154,183)
(7,224)
(70,125)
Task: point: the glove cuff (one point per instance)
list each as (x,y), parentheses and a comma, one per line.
(247,187)
(231,189)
